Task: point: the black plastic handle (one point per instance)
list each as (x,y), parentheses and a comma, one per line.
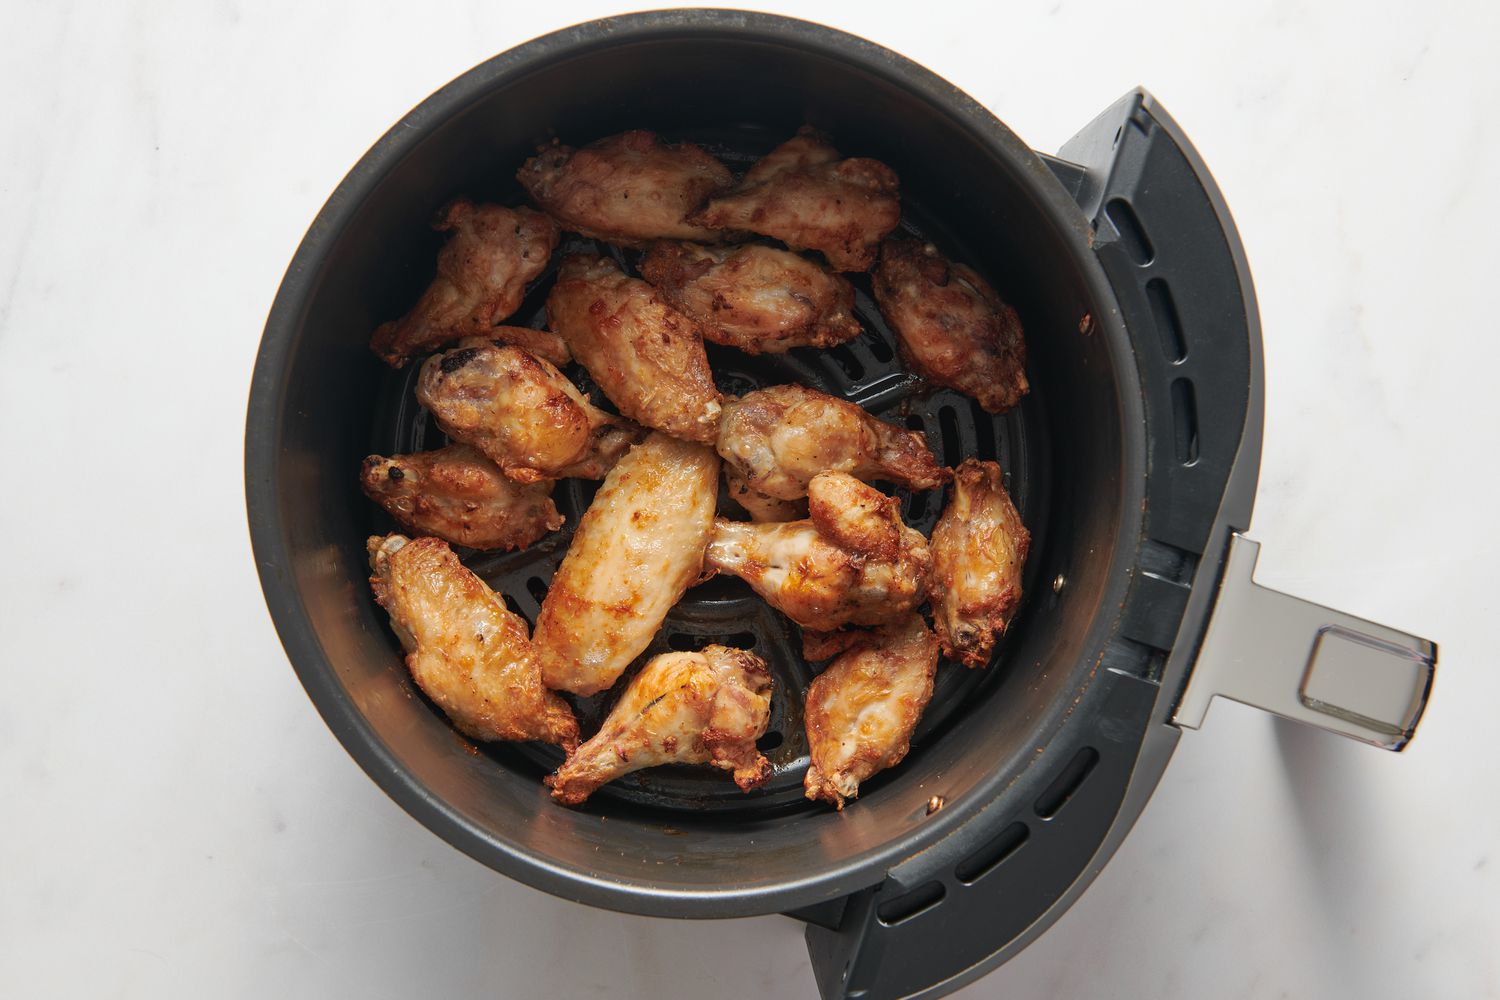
(1165,240)
(938,919)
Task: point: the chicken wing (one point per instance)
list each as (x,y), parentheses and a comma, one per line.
(543,343)
(778,438)
(628,189)
(861,711)
(759,506)
(756,298)
(978,548)
(682,708)
(522,413)
(635,551)
(465,648)
(951,327)
(459,495)
(802,194)
(852,562)
(647,357)
(482,273)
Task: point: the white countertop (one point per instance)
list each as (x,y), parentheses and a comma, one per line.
(178,820)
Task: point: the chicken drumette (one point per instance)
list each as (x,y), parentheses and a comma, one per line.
(459,495)
(757,298)
(646,356)
(522,413)
(852,562)
(465,648)
(682,708)
(776,439)
(978,548)
(482,273)
(861,710)
(803,194)
(628,189)
(636,550)
(951,327)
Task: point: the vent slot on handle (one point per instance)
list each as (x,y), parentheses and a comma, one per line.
(985,860)
(1067,783)
(907,905)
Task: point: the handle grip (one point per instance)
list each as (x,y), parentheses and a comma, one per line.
(1307,663)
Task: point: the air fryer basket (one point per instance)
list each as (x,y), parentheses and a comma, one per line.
(1133,464)
(336,403)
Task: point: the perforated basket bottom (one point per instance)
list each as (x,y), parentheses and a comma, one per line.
(866,371)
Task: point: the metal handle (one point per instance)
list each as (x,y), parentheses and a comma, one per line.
(1307,663)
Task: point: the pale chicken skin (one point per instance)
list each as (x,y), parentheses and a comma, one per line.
(861,711)
(646,356)
(459,495)
(778,438)
(758,299)
(805,195)
(979,548)
(466,650)
(636,550)
(522,413)
(628,189)
(482,274)
(852,562)
(707,707)
(951,326)
(760,507)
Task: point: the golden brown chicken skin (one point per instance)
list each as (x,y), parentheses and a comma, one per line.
(979,547)
(646,356)
(951,327)
(805,195)
(460,496)
(465,648)
(628,189)
(756,298)
(707,707)
(776,439)
(861,711)
(852,561)
(522,413)
(482,273)
(636,550)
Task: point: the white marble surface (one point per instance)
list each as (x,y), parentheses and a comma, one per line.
(178,822)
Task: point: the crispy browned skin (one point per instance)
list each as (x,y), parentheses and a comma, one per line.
(465,648)
(760,507)
(951,327)
(852,562)
(778,438)
(757,298)
(978,549)
(628,189)
(682,708)
(646,356)
(482,273)
(636,550)
(818,645)
(522,413)
(861,711)
(803,194)
(459,495)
